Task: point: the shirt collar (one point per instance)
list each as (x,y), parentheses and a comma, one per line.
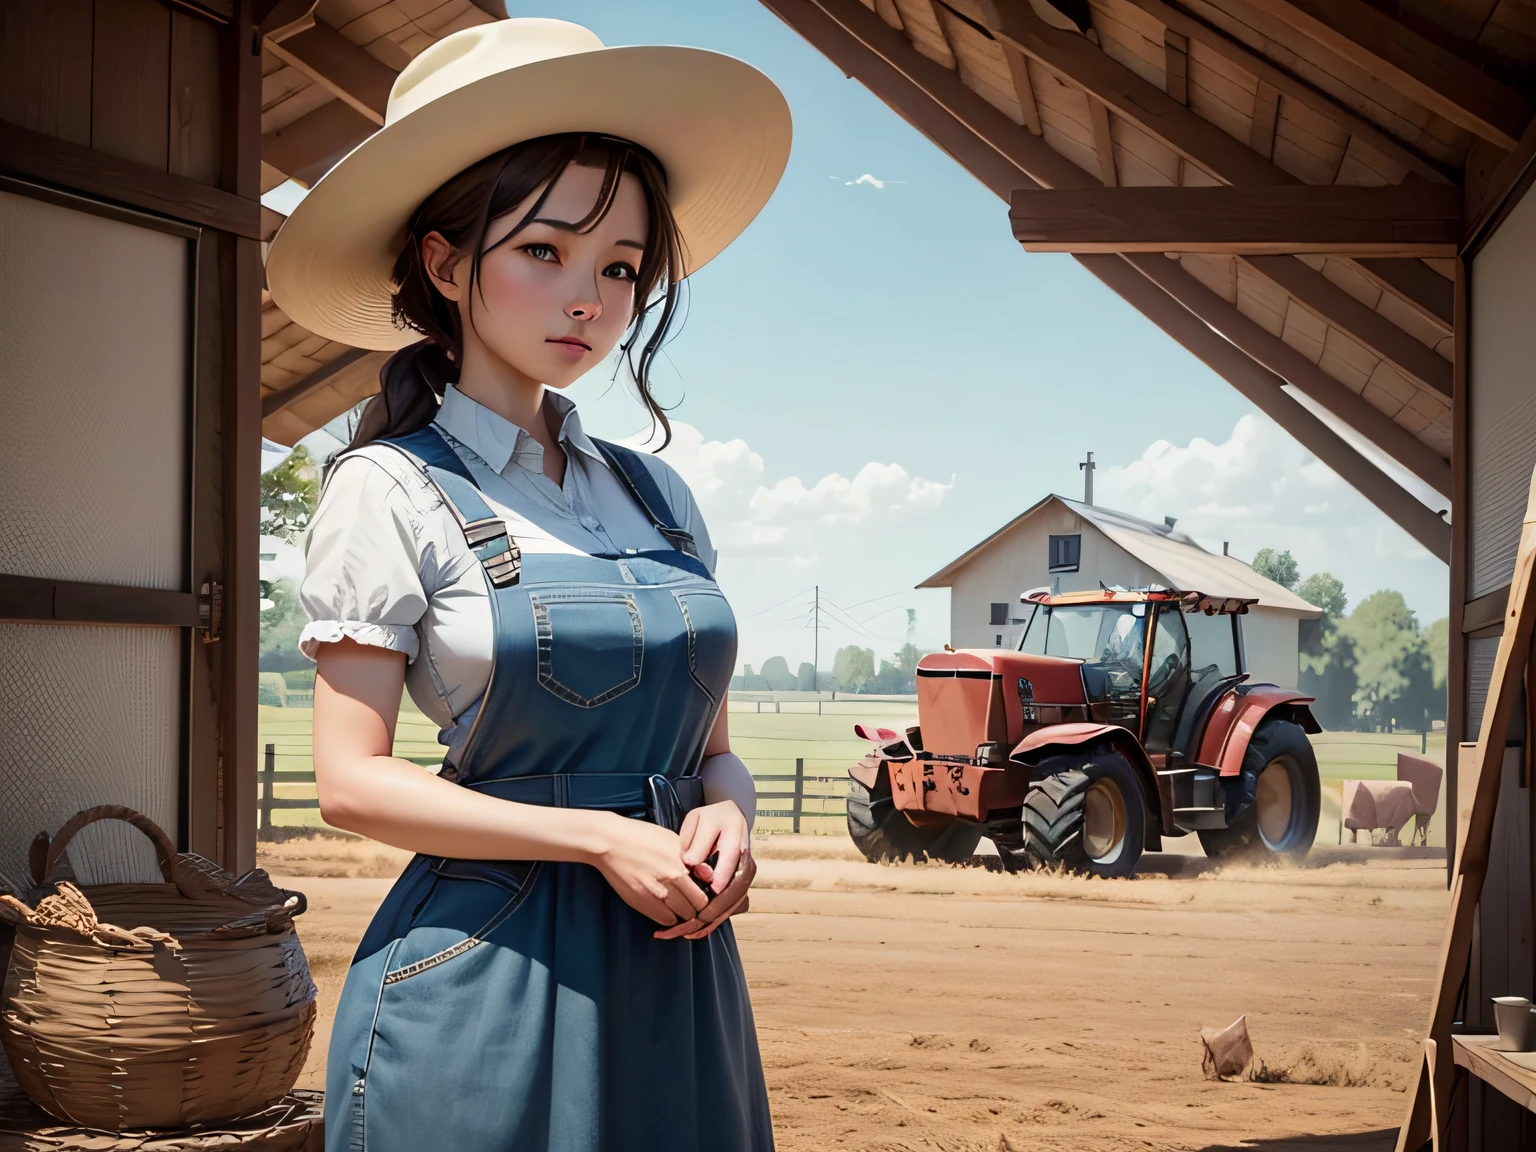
(496,440)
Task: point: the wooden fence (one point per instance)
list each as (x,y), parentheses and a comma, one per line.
(813,803)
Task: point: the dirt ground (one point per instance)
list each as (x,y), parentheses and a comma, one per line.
(933,1007)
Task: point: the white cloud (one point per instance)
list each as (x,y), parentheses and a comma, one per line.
(1260,488)
(871,181)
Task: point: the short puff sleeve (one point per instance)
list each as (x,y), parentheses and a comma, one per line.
(362,576)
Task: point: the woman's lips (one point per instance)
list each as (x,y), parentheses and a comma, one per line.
(572,346)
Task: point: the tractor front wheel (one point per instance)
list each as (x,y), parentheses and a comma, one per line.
(1278,799)
(882,831)
(1091,818)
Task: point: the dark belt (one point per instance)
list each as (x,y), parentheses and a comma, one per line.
(655,798)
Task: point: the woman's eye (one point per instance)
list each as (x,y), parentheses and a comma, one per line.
(621,271)
(542,252)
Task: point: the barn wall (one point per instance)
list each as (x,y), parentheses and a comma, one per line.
(1271,644)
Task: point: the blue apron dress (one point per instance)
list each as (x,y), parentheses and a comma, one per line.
(524,1007)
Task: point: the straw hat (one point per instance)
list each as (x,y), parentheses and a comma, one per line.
(719,127)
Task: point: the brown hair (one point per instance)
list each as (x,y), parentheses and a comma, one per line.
(413,380)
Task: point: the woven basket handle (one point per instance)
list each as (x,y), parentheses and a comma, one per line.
(43,862)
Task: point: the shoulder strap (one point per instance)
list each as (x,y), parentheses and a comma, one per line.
(485,532)
(629,466)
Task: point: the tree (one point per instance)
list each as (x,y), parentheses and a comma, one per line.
(289,495)
(1327,656)
(1277,566)
(281,625)
(1437,638)
(898,675)
(1393,670)
(852,667)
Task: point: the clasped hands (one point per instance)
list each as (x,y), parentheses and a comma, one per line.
(665,875)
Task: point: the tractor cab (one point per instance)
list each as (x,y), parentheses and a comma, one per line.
(1196,652)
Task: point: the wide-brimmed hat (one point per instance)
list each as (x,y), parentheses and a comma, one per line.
(719,127)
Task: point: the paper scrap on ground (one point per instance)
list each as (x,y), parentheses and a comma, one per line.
(1227,1050)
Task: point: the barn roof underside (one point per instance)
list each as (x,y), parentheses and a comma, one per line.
(1280,185)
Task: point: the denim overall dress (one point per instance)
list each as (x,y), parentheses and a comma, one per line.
(523,1006)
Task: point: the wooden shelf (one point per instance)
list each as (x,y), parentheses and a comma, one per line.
(1512,1073)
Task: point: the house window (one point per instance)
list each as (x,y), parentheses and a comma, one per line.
(999,614)
(1064,553)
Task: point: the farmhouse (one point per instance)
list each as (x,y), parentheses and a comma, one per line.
(1070,546)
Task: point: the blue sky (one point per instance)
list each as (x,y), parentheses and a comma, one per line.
(879,377)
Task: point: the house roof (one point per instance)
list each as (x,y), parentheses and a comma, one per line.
(1172,554)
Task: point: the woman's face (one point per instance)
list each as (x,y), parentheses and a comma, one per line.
(551,302)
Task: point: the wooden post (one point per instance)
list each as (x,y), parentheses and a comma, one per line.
(268,791)
(799,789)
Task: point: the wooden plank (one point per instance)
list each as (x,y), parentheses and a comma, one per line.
(316,141)
(35,600)
(1501,190)
(1266,112)
(1177,19)
(34,156)
(1264,389)
(1023,88)
(1429,73)
(1103,142)
(329,58)
(1429,293)
(1484,763)
(131,81)
(196,114)
(1176,65)
(1128,95)
(1484,612)
(1327,300)
(1402,220)
(1295,368)
(45,67)
(277,401)
(1512,1073)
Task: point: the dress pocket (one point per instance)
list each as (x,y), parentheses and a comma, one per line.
(711,629)
(429,938)
(591,644)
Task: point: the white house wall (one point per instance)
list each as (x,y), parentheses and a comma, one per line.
(1272,645)
(1019,561)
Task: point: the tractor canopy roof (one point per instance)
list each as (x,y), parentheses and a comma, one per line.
(1187,601)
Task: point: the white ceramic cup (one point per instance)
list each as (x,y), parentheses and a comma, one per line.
(1517,1023)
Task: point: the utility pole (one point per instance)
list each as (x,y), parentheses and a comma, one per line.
(1087,467)
(816,644)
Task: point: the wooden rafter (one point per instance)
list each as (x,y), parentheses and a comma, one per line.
(334,62)
(1179,21)
(1176,65)
(316,140)
(276,401)
(1427,72)
(1417,284)
(1103,142)
(1266,114)
(1330,303)
(1398,220)
(1023,88)
(984,141)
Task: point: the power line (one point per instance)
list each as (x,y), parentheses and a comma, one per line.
(771,607)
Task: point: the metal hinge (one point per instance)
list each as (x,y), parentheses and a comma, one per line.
(210,611)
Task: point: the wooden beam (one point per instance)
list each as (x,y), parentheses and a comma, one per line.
(1178,21)
(334,62)
(1023,87)
(1420,286)
(1502,189)
(1266,113)
(1263,389)
(271,221)
(1426,72)
(1127,94)
(1397,220)
(986,143)
(49,160)
(277,401)
(1286,362)
(1176,65)
(316,140)
(35,600)
(1331,304)
(1103,141)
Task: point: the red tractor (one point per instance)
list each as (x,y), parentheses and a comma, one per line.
(1123,717)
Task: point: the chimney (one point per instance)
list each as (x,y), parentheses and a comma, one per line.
(1170,521)
(1225,548)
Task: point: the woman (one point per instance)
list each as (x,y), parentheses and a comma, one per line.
(554,969)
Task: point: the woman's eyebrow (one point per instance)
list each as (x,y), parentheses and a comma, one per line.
(567,226)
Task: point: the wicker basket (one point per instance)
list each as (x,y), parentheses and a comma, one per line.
(199,1013)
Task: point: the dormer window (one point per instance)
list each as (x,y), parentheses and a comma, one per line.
(1065,552)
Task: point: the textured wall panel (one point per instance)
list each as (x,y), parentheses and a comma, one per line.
(1481,654)
(1502,418)
(93,387)
(88,716)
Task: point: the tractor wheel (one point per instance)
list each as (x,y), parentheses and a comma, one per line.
(1090,819)
(1278,799)
(882,832)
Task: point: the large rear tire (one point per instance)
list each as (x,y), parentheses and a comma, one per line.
(1090,819)
(1278,799)
(882,832)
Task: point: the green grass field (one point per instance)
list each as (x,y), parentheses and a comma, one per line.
(770,743)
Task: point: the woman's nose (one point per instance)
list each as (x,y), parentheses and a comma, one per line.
(584,310)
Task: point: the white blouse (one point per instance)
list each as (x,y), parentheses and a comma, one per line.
(388,565)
